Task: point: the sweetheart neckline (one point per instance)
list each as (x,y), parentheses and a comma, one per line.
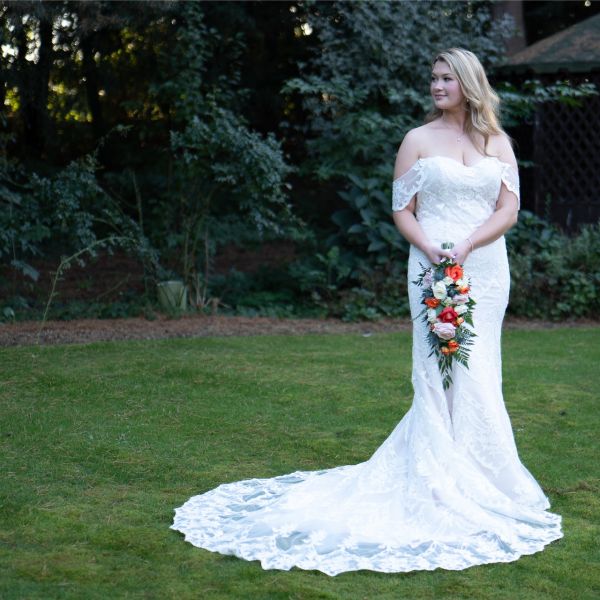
(458,162)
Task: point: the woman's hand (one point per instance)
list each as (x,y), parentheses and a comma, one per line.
(435,253)
(460,251)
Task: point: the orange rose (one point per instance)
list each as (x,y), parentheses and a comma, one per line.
(431,302)
(464,290)
(453,346)
(455,272)
(459,321)
(445,350)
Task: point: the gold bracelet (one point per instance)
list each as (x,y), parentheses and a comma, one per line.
(471,242)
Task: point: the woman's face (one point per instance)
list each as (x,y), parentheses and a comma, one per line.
(445,89)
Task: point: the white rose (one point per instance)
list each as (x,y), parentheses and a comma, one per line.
(431,315)
(461,309)
(448,280)
(439,290)
(461,283)
(447,302)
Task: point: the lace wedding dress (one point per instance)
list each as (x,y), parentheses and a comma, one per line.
(447,488)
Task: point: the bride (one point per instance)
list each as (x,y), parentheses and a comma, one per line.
(447,488)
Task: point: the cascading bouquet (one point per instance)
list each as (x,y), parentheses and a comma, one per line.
(448,306)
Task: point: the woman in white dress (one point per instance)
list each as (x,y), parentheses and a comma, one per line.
(446,488)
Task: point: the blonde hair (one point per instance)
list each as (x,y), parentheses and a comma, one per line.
(482,101)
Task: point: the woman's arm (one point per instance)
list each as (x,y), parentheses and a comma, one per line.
(404,219)
(503,218)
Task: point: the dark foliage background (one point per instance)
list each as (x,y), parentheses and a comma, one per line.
(245,148)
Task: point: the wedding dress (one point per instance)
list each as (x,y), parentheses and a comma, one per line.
(446,488)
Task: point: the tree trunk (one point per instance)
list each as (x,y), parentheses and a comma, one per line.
(92,86)
(33,88)
(514,8)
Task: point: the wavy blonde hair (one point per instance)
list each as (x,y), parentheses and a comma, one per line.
(482,101)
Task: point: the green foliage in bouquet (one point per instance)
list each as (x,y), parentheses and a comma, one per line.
(448,306)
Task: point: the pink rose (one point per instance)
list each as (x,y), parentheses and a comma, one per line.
(460,299)
(428,279)
(446,331)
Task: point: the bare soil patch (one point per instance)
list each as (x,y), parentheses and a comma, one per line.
(84,331)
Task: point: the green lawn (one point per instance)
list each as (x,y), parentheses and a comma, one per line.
(100,442)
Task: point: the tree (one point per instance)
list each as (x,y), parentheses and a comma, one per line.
(223,169)
(169,80)
(365,85)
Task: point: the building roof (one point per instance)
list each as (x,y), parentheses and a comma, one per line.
(575,49)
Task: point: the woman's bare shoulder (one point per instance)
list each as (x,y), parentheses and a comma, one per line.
(424,132)
(500,140)
(415,140)
(500,145)
(410,150)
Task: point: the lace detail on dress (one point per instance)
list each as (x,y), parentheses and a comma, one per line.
(510,178)
(406,186)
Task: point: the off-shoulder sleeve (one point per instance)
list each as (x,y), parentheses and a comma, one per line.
(406,186)
(510,178)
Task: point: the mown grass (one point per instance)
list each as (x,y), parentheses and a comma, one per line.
(100,442)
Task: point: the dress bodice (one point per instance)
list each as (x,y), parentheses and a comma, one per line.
(452,196)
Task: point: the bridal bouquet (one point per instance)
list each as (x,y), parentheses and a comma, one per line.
(448,306)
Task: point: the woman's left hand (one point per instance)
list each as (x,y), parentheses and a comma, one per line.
(460,251)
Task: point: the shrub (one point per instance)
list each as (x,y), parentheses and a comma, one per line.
(553,275)
(58,214)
